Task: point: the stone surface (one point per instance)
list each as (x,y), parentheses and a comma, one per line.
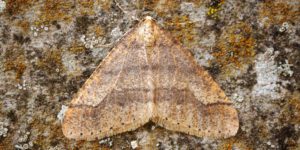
(49,48)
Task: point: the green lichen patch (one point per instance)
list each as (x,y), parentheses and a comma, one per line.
(214,7)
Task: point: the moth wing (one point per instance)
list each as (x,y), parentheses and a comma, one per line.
(115,98)
(187,98)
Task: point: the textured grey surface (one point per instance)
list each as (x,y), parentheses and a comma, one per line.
(49,48)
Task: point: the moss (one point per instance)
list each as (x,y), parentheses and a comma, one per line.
(274,12)
(235,47)
(15,61)
(51,62)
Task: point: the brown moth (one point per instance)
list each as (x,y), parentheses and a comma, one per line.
(146,77)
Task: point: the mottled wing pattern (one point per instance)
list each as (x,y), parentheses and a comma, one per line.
(187,99)
(114,99)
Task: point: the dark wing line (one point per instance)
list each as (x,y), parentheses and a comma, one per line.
(117,78)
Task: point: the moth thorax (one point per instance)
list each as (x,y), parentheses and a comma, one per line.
(147,34)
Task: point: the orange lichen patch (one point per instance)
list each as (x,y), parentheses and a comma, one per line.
(92,145)
(196,2)
(54,10)
(25,25)
(6,142)
(77,48)
(161,7)
(105,4)
(15,7)
(181,26)
(97,30)
(236,46)
(51,62)
(86,7)
(182,29)
(291,111)
(41,142)
(15,61)
(164,7)
(231,143)
(277,12)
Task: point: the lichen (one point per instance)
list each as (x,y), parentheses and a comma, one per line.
(54,10)
(2,5)
(24,25)
(49,48)
(87,7)
(97,29)
(182,29)
(16,7)
(277,12)
(214,7)
(77,48)
(234,143)
(162,8)
(105,4)
(3,129)
(235,47)
(268,78)
(15,61)
(291,111)
(51,62)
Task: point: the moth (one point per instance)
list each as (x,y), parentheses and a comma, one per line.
(149,76)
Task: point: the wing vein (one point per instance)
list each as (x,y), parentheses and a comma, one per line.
(117,78)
